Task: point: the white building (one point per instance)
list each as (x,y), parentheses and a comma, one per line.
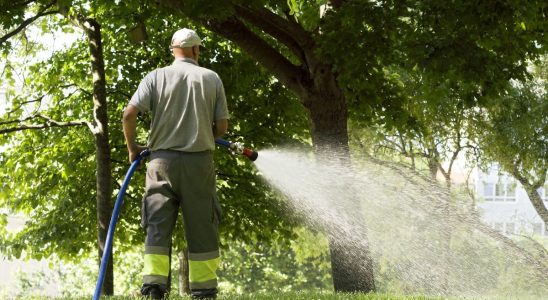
(505,206)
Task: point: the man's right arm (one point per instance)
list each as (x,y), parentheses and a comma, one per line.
(129,122)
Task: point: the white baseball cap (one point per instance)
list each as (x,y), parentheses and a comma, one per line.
(185,37)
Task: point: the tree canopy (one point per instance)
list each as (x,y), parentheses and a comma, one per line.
(295,72)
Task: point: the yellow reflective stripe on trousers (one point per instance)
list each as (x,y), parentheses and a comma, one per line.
(156,264)
(204,270)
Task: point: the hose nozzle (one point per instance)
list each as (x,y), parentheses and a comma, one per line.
(252,155)
(238,148)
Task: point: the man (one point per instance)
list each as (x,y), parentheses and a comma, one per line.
(189,110)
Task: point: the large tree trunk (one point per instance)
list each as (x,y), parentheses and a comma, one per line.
(351,262)
(104,172)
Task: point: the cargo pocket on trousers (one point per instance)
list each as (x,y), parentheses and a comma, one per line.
(217,212)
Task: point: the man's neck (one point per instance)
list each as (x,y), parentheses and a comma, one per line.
(186,59)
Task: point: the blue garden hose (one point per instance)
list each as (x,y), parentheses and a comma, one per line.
(113,220)
(223,143)
(235,147)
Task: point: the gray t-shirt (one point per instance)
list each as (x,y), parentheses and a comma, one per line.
(185,100)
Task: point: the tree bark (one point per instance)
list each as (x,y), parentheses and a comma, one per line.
(351,262)
(531,187)
(184,285)
(537,202)
(102,145)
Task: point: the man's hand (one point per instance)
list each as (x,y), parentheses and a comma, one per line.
(134,151)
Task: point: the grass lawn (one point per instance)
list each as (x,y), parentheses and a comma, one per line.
(273,296)
(315,296)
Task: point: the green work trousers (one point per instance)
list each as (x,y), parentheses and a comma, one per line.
(183,180)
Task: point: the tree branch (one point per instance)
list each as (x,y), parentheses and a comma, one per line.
(24,3)
(396,147)
(453,159)
(39,99)
(292,76)
(117,91)
(47,124)
(289,33)
(233,29)
(29,21)
(336,3)
(532,192)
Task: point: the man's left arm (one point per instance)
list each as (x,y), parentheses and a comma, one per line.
(220,127)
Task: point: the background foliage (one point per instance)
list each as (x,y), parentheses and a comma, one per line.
(423,80)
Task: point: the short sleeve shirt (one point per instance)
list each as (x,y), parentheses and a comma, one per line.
(185,100)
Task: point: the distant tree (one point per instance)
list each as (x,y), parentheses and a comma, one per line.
(432,131)
(513,130)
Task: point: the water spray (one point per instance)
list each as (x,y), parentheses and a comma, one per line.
(238,148)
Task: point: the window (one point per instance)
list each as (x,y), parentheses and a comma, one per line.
(510,191)
(543,192)
(499,190)
(502,190)
(488,191)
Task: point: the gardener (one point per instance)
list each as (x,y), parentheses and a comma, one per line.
(189,110)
